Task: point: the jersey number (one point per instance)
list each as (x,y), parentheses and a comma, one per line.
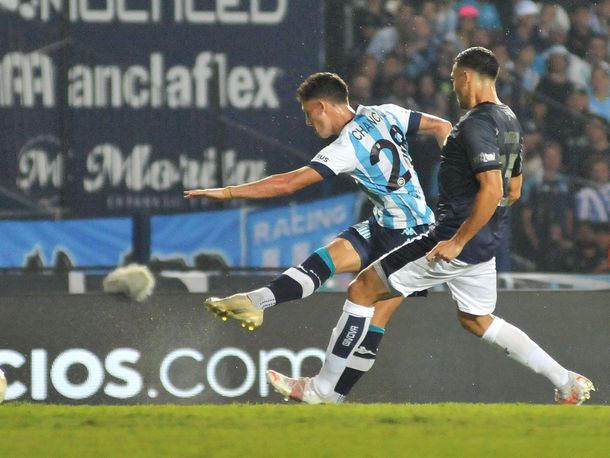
(511,143)
(395,182)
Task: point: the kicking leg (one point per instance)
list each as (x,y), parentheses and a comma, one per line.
(303,280)
(295,283)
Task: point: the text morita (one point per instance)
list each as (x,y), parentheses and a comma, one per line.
(30,80)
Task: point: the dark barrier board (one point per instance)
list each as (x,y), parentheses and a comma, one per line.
(104,349)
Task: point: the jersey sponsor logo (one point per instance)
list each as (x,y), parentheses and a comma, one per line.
(322,158)
(487,157)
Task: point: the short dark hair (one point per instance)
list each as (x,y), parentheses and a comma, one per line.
(481,60)
(323,85)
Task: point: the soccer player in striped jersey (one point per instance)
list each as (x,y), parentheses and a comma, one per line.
(372,148)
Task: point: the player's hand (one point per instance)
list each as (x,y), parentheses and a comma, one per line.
(446,250)
(212,193)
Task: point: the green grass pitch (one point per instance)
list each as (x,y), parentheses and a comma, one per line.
(292,430)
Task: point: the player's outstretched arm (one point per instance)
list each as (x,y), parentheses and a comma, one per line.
(282,184)
(433,125)
(485,204)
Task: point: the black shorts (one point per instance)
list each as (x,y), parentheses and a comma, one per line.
(371,241)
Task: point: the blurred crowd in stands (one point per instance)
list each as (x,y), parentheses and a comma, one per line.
(555,75)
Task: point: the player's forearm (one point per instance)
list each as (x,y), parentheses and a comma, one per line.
(514,189)
(485,205)
(436,127)
(272,186)
(442,132)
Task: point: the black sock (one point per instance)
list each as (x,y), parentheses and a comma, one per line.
(303,280)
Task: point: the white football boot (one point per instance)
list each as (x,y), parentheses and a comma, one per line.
(299,389)
(576,391)
(239,307)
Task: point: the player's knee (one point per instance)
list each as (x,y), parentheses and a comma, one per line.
(366,288)
(466,324)
(470,323)
(356,290)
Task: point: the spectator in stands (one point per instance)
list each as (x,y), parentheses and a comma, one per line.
(391,67)
(524,31)
(600,19)
(483,38)
(361,91)
(599,93)
(580,31)
(387,40)
(535,117)
(428,97)
(597,53)
(416,52)
(368,66)
(446,19)
(553,21)
(525,77)
(555,84)
(403,93)
(573,133)
(591,249)
(577,70)
(466,28)
(368,19)
(532,159)
(442,67)
(597,144)
(489,18)
(504,83)
(547,215)
(441,17)
(593,201)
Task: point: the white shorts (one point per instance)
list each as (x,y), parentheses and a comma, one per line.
(473,286)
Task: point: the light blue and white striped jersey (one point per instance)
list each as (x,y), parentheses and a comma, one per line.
(373,149)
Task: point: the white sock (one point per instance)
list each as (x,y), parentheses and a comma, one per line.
(521,348)
(346,337)
(262,298)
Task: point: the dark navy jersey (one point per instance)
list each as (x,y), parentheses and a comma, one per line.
(488,137)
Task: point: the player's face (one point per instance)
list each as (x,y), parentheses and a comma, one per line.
(316,117)
(460,85)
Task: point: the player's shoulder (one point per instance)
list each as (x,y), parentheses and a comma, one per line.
(491,113)
(487,116)
(340,144)
(393,108)
(473,122)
